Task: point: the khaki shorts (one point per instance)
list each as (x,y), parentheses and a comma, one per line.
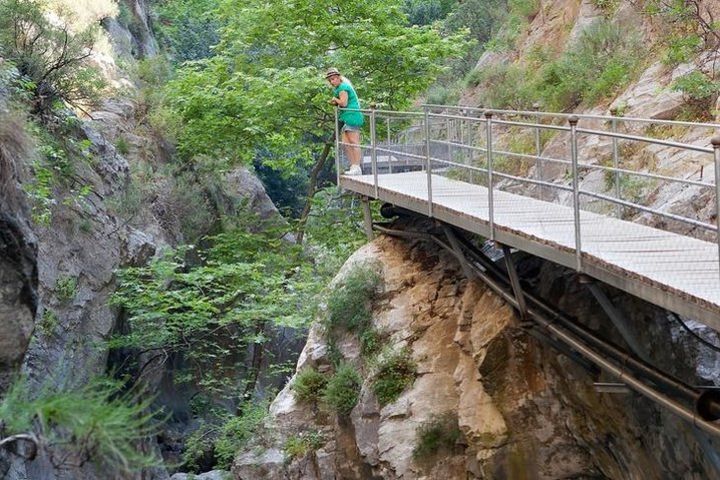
(344,127)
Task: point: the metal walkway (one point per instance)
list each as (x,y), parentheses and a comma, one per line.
(461,183)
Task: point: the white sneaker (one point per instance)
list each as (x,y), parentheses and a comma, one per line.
(354,170)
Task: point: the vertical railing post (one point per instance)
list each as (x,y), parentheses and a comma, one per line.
(449,136)
(338,163)
(576,189)
(429,161)
(538,151)
(389,156)
(716,148)
(616,164)
(491,209)
(461,138)
(471,143)
(373,149)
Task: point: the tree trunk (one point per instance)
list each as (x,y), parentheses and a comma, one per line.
(258,353)
(312,189)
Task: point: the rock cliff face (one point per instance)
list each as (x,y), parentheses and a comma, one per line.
(18,252)
(521,409)
(56,279)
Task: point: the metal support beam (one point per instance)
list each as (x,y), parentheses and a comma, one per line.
(716,150)
(452,239)
(338,160)
(367,218)
(576,190)
(515,283)
(611,387)
(616,318)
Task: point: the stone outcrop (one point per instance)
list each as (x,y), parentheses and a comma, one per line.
(56,280)
(523,410)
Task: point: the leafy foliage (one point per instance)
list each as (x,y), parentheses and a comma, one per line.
(343,389)
(188,29)
(209,307)
(426,12)
(49,54)
(54,172)
(602,62)
(66,287)
(224,434)
(49,322)
(309,385)
(697,86)
(395,371)
(681,48)
(98,422)
(370,342)
(297,446)
(334,227)
(506,86)
(267,66)
(349,304)
(247,282)
(519,12)
(689,18)
(440,433)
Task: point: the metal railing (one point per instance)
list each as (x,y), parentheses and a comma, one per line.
(538,154)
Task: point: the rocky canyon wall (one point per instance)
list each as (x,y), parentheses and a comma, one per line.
(520,409)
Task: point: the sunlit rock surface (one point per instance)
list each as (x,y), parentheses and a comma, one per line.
(524,410)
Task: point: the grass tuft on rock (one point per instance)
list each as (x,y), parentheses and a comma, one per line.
(439,434)
(309,385)
(343,389)
(349,304)
(395,372)
(297,446)
(101,422)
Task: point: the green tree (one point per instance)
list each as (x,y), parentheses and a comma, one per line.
(188,29)
(481,17)
(223,308)
(51,55)
(101,422)
(425,12)
(263,90)
(214,309)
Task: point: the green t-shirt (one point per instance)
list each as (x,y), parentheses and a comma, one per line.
(350,117)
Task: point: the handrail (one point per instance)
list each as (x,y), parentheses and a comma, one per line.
(538,113)
(654,141)
(436,135)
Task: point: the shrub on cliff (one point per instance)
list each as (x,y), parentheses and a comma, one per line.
(599,65)
(99,423)
(395,371)
(349,304)
(297,446)
(222,435)
(603,60)
(309,385)
(440,433)
(343,389)
(50,54)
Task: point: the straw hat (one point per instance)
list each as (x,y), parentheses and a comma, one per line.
(331,72)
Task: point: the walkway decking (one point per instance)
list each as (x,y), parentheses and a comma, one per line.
(673,271)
